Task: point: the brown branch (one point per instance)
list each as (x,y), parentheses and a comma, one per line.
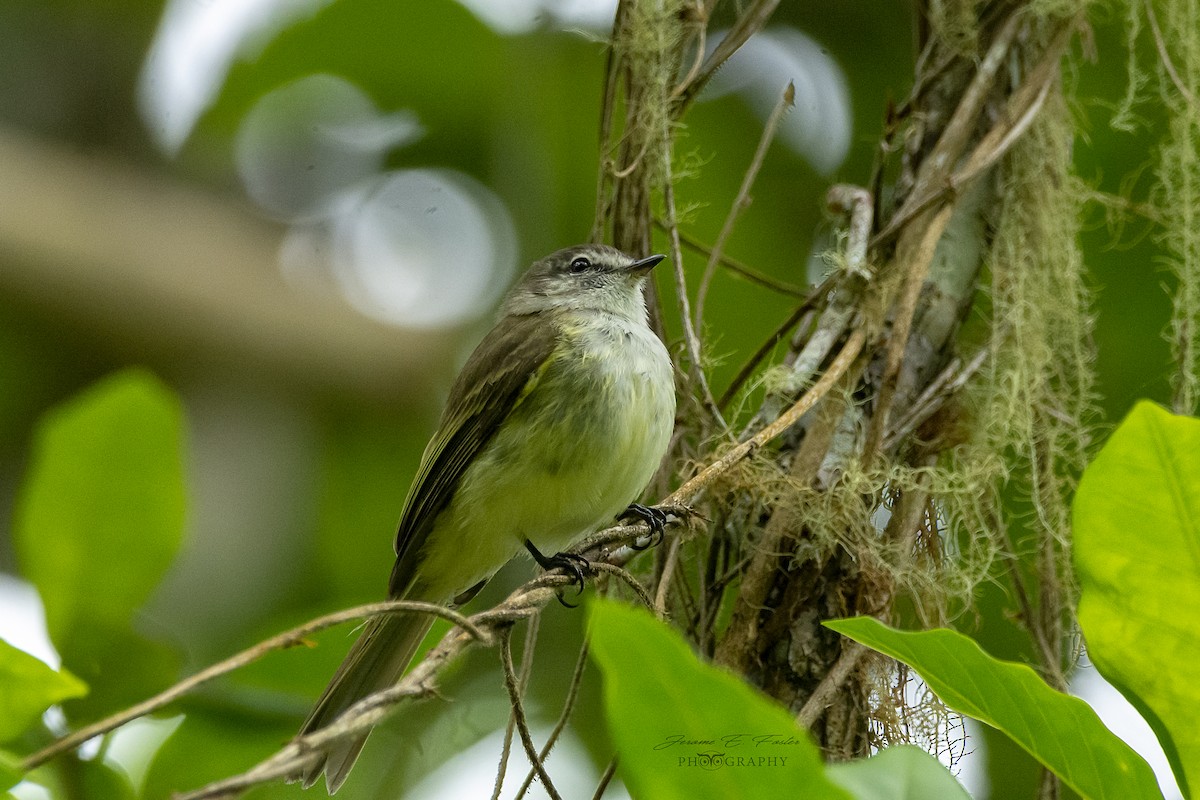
(818,701)
(668,572)
(531,632)
(916,256)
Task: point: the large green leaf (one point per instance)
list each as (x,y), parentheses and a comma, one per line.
(685,729)
(1060,731)
(1137,556)
(27,688)
(903,772)
(99,519)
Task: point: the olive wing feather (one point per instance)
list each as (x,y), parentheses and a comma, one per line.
(499,374)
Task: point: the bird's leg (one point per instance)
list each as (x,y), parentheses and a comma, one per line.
(571,563)
(654,517)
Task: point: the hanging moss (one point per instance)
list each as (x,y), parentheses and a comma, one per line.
(1179,177)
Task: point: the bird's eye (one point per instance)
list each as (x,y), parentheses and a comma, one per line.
(580,265)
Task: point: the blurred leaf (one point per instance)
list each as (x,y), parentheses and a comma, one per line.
(27,688)
(392,51)
(10,771)
(101,780)
(367,461)
(100,517)
(1137,555)
(120,666)
(210,746)
(1060,731)
(902,772)
(685,729)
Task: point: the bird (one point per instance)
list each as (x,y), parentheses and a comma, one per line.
(555,425)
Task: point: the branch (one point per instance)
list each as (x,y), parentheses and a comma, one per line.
(1020,111)
(280,641)
(419,681)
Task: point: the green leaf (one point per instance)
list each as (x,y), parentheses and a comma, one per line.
(99,779)
(27,688)
(1137,557)
(100,516)
(210,745)
(903,772)
(685,729)
(1060,731)
(10,771)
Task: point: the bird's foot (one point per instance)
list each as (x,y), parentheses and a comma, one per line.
(655,518)
(571,563)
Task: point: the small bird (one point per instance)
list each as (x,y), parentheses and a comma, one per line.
(555,425)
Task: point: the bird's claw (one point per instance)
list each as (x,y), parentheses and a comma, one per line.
(573,564)
(655,519)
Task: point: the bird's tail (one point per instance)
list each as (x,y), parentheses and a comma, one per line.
(376,661)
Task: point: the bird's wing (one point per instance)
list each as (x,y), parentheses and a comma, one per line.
(501,372)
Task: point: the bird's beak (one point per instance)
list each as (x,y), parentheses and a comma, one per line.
(644,265)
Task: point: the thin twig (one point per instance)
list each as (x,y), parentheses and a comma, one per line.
(505,752)
(793,319)
(251,654)
(691,340)
(750,22)
(786,101)
(608,104)
(740,267)
(625,575)
(563,717)
(664,582)
(518,711)
(701,22)
(531,631)
(687,493)
(605,779)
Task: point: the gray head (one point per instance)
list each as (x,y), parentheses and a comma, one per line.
(587,276)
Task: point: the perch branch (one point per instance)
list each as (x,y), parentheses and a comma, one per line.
(280,641)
